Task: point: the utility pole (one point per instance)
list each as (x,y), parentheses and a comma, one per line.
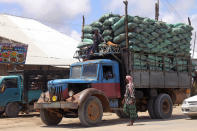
(157,10)
(189,21)
(83,24)
(127,38)
(126,23)
(194,45)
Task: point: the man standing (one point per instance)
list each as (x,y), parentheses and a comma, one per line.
(97,38)
(129,105)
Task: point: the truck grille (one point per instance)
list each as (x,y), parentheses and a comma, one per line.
(56,91)
(192,102)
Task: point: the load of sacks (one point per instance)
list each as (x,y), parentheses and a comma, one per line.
(145,35)
(152,36)
(103,25)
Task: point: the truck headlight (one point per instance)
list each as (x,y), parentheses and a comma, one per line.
(70,93)
(184,102)
(54,98)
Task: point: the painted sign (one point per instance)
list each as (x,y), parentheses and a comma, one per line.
(11,53)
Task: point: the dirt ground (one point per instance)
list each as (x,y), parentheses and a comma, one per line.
(111,122)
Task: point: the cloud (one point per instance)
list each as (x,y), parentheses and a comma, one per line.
(55,11)
(75,35)
(135,7)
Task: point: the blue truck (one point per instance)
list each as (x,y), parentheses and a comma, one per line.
(97,85)
(20,89)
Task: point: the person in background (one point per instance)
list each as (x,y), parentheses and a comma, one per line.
(129,104)
(97,38)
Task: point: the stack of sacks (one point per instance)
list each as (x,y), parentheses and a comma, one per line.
(152,36)
(148,36)
(103,25)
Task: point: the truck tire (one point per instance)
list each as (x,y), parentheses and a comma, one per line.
(12,110)
(151,110)
(91,111)
(121,114)
(193,117)
(1,113)
(49,118)
(163,106)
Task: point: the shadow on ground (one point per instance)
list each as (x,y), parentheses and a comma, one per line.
(110,122)
(22,116)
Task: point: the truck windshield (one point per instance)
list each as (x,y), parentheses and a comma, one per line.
(76,72)
(89,70)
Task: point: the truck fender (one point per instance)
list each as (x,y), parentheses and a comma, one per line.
(94,92)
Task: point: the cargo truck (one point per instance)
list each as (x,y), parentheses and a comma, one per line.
(97,85)
(20,89)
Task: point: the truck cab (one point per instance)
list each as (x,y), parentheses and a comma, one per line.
(11,94)
(92,88)
(100,74)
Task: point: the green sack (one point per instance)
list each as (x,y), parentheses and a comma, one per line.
(107,32)
(111,21)
(131,26)
(138,19)
(118,39)
(138,30)
(107,16)
(96,24)
(121,22)
(88,36)
(84,44)
(106,27)
(154,34)
(148,21)
(88,41)
(148,30)
(108,38)
(87,29)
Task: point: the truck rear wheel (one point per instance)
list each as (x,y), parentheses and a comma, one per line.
(121,114)
(163,106)
(50,118)
(12,110)
(151,110)
(91,111)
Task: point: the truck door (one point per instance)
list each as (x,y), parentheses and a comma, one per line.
(10,91)
(111,86)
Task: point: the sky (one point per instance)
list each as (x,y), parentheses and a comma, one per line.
(66,15)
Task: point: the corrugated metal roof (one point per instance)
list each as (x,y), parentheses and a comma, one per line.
(46,46)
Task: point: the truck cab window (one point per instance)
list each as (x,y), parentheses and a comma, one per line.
(10,83)
(108,72)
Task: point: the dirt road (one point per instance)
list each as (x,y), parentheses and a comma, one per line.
(110,122)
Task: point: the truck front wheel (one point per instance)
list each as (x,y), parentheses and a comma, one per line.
(50,118)
(163,106)
(91,111)
(12,110)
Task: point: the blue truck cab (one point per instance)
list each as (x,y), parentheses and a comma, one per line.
(92,84)
(101,74)
(19,90)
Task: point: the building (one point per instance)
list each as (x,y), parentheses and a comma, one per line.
(47,48)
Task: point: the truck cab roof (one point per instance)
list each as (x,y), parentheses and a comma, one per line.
(9,76)
(106,61)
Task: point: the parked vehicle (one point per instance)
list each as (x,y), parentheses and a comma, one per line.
(189,107)
(97,85)
(21,89)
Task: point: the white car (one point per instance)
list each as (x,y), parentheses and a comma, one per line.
(189,107)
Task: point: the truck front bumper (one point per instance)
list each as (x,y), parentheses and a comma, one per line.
(56,105)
